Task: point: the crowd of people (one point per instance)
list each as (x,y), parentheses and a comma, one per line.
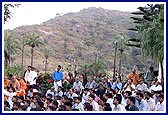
(138,93)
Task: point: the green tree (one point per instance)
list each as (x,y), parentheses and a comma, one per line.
(33,41)
(10,47)
(47,51)
(150,28)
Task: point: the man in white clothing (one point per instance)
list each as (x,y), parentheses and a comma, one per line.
(77,85)
(160,105)
(30,76)
(150,101)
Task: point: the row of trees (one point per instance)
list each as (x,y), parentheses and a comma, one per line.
(149,22)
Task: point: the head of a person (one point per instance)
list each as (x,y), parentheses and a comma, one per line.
(91,79)
(57,97)
(131,100)
(20,99)
(22,108)
(77,79)
(161,98)
(117,90)
(59,67)
(151,68)
(5,78)
(49,101)
(49,95)
(26,103)
(16,105)
(127,94)
(32,68)
(60,88)
(148,95)
(71,91)
(133,70)
(39,104)
(87,106)
(55,104)
(11,89)
(141,81)
(86,90)
(68,106)
(29,68)
(52,88)
(13,78)
(64,99)
(6,104)
(50,108)
(91,97)
(117,100)
(139,96)
(14,98)
(107,107)
(19,78)
(102,101)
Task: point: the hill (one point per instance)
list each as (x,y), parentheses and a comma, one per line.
(77,38)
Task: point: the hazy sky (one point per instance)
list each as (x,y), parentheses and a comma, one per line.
(37,12)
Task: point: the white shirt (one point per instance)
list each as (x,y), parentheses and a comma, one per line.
(156,88)
(110,101)
(78,106)
(119,107)
(95,105)
(142,87)
(151,103)
(10,95)
(85,97)
(30,77)
(160,106)
(78,86)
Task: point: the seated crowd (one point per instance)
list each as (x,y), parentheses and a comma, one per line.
(104,95)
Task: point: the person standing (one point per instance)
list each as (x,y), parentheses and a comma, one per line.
(149,76)
(57,77)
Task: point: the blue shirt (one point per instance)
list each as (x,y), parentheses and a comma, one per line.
(57,75)
(114,85)
(142,106)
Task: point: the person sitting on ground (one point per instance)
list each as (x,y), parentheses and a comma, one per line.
(77,85)
(160,105)
(6,81)
(131,104)
(93,103)
(141,86)
(133,76)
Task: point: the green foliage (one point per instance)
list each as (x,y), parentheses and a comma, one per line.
(33,41)
(13,70)
(95,33)
(10,47)
(150,31)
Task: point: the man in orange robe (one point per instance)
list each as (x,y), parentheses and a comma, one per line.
(133,76)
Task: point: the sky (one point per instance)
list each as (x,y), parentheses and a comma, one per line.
(30,13)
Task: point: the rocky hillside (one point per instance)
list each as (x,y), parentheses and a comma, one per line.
(81,36)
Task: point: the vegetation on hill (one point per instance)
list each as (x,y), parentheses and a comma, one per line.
(78,38)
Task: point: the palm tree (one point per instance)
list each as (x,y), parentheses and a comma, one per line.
(150,28)
(47,51)
(10,47)
(33,41)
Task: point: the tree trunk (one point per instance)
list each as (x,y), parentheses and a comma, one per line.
(22,53)
(46,65)
(161,66)
(115,52)
(32,54)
